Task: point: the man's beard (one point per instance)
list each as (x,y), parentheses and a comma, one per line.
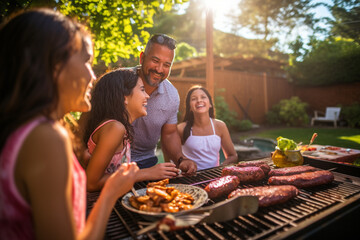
(148,79)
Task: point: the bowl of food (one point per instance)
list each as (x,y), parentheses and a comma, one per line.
(158,200)
(287,153)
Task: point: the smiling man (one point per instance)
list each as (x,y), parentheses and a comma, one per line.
(162,108)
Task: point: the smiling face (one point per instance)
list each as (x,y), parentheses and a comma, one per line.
(75,80)
(156,64)
(136,102)
(199,102)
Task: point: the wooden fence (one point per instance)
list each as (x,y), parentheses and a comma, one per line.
(319,98)
(252,95)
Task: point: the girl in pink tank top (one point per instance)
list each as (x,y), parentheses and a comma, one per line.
(201,134)
(117,100)
(45,75)
(119,156)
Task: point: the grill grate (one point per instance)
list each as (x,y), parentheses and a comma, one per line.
(265,223)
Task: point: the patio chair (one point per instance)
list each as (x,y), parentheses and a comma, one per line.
(331,115)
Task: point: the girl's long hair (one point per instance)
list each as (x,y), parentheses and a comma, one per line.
(34,46)
(189,115)
(108,100)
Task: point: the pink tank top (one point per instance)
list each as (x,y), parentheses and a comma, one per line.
(124,156)
(15,213)
(204,150)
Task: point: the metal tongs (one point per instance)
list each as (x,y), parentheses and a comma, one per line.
(219,212)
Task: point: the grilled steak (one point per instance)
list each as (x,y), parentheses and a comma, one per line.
(222,186)
(261,164)
(291,170)
(245,174)
(268,195)
(307,179)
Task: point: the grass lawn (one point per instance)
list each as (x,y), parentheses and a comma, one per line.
(341,137)
(160,156)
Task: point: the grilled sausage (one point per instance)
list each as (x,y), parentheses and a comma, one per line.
(245,174)
(291,170)
(268,195)
(307,179)
(261,164)
(222,186)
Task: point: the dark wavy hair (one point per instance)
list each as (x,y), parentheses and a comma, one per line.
(189,115)
(108,100)
(34,46)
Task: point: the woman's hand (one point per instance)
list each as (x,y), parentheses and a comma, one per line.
(121,181)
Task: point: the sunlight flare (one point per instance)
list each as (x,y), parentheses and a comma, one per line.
(354,138)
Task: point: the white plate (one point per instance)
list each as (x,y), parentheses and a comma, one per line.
(200,198)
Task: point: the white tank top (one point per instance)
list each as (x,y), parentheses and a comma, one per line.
(204,150)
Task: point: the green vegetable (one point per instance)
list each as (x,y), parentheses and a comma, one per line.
(357,162)
(286,144)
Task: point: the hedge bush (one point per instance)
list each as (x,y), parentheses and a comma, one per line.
(351,114)
(230,117)
(291,112)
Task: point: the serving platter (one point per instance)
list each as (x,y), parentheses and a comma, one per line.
(200,198)
(332,153)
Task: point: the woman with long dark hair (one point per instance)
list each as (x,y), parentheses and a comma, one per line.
(45,73)
(118,98)
(202,135)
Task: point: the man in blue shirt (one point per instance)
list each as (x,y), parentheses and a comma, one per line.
(161,120)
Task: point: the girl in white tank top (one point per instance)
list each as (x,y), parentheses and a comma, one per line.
(204,150)
(204,146)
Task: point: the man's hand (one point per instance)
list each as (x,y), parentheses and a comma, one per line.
(157,172)
(188,166)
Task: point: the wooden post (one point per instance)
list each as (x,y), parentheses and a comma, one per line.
(266,104)
(209,52)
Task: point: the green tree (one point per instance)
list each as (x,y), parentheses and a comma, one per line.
(167,22)
(334,60)
(193,33)
(118,26)
(266,18)
(346,22)
(230,45)
(184,51)
(297,48)
(186,27)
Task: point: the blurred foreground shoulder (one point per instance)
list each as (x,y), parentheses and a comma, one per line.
(48,144)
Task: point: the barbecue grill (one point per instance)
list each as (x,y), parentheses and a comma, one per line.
(327,210)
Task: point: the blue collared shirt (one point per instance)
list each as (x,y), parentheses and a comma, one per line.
(162,108)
